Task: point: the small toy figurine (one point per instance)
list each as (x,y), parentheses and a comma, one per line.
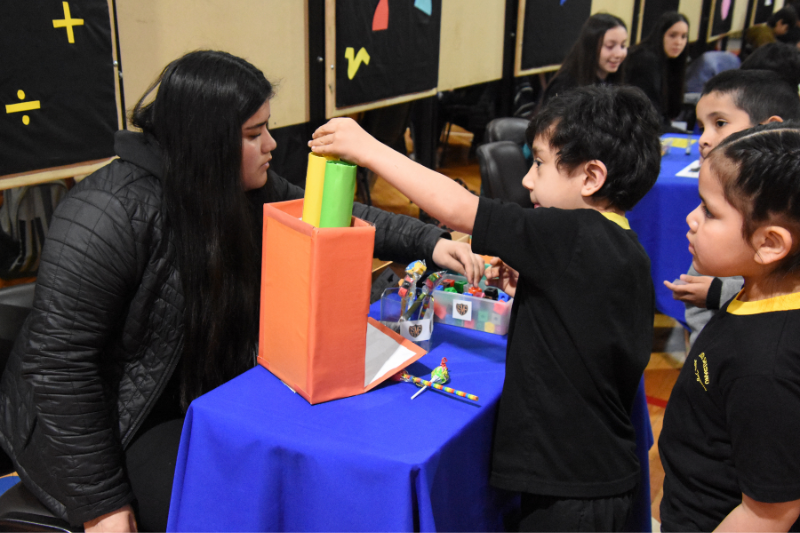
(439,375)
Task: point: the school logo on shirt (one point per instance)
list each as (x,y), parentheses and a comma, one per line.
(701,379)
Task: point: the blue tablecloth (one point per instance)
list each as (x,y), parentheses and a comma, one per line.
(659,220)
(256,457)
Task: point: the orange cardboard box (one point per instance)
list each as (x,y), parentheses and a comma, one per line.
(315,284)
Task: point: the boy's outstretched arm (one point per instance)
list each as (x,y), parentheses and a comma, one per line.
(437,195)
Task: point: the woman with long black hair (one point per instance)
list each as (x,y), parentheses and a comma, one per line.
(596,57)
(657,65)
(147,295)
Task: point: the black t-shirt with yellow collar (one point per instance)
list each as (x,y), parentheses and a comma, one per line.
(732,424)
(581,334)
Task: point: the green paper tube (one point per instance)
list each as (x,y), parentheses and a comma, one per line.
(337,194)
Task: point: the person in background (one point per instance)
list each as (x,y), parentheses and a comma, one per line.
(754,38)
(732,101)
(596,57)
(784,25)
(706,66)
(657,65)
(148,295)
(781,58)
(730,436)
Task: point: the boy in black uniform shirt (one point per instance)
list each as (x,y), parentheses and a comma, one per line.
(582,318)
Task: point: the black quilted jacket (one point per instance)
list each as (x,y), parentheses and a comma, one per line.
(106,331)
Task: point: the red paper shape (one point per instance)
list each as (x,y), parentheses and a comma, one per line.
(380,21)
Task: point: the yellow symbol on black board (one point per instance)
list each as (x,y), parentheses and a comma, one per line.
(354,63)
(23,106)
(68,22)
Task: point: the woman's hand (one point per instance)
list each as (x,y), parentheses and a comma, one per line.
(343,137)
(122,520)
(458,256)
(693,290)
(502,276)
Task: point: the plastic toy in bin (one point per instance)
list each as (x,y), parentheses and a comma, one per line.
(482,308)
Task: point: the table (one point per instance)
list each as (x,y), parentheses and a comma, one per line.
(256,457)
(659,220)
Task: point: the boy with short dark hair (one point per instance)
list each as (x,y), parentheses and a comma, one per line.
(582,319)
(731,101)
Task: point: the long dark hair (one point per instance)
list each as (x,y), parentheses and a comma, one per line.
(581,61)
(673,70)
(202,101)
(758,170)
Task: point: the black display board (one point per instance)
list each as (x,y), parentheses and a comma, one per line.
(721,18)
(57,90)
(550,29)
(652,10)
(759,11)
(385,49)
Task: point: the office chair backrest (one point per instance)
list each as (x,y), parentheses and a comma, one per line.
(502,168)
(507,129)
(15,304)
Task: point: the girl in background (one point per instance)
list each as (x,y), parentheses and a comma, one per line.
(596,57)
(657,65)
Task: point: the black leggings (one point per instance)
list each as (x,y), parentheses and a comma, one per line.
(150,464)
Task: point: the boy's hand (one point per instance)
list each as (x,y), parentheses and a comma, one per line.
(502,276)
(694,289)
(458,256)
(343,137)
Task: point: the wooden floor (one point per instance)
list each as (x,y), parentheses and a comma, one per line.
(668,339)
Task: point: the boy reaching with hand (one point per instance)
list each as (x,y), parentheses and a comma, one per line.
(582,319)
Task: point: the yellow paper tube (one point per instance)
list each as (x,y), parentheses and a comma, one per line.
(315,183)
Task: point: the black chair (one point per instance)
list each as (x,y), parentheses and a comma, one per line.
(22,511)
(15,304)
(507,129)
(502,168)
(19,509)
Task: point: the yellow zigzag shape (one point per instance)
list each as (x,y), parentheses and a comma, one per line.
(353,64)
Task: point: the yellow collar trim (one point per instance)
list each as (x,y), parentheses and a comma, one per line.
(786,302)
(620,220)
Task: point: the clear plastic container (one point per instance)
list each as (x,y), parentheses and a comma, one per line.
(467,311)
(418,331)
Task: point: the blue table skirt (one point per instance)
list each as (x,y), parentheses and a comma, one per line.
(256,457)
(659,220)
